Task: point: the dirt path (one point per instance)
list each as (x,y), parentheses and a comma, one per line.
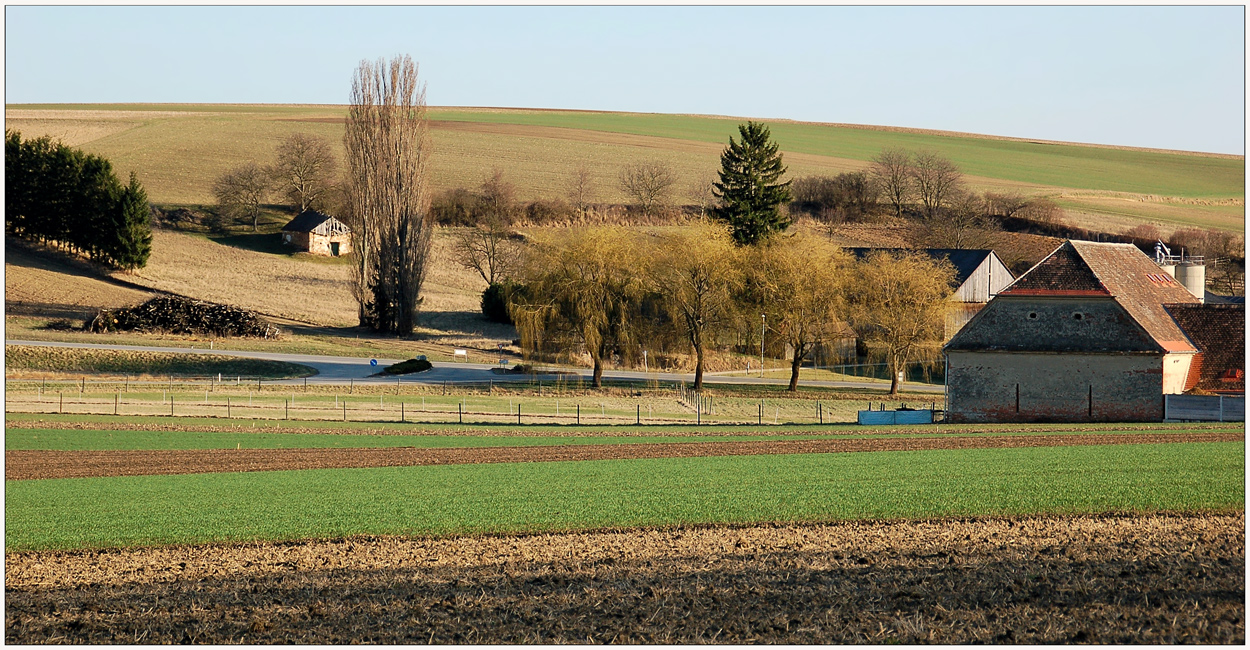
(41,464)
(1157,578)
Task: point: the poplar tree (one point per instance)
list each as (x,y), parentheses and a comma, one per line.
(749,191)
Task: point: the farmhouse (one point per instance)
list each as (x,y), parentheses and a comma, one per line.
(319,234)
(1087,334)
(979,276)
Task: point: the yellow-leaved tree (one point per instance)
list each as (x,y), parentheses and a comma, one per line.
(898,305)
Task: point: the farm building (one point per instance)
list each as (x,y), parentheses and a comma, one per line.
(1088,334)
(319,234)
(979,276)
(1219,332)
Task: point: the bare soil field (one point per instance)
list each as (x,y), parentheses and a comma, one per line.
(1159,578)
(45,464)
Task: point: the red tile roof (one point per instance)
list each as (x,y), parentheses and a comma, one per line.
(1219,331)
(1121,271)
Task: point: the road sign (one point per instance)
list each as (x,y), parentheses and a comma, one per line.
(373,362)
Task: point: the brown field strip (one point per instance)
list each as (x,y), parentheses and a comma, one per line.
(1157,578)
(46,464)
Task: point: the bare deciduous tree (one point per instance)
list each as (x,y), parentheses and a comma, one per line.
(304,169)
(963,224)
(899,305)
(936,180)
(488,248)
(388,150)
(702,191)
(241,191)
(892,172)
(1041,210)
(648,183)
(581,188)
(498,198)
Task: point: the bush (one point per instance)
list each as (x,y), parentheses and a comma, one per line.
(409,366)
(495,303)
(543,212)
(845,197)
(457,207)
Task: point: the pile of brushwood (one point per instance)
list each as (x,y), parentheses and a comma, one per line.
(175,315)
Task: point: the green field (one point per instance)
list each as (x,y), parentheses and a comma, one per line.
(517,497)
(447,436)
(178,150)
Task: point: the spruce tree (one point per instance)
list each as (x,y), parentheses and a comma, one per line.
(748,189)
(133,227)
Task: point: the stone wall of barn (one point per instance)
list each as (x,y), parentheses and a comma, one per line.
(1048,387)
(320,244)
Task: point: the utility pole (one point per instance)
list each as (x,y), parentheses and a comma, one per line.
(763,321)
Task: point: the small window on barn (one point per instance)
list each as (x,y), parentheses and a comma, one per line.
(1032,315)
(286,237)
(1076,315)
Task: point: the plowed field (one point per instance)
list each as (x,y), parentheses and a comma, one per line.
(1098,579)
(43,464)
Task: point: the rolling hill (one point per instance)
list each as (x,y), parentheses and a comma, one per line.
(178,150)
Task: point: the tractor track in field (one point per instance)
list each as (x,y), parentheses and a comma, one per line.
(48,464)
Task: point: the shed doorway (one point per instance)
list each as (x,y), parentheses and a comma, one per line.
(334,248)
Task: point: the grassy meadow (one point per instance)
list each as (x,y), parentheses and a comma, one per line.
(178,150)
(558,496)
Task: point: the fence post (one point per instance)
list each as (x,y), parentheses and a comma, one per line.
(171,406)
(351,386)
(227,408)
(305,384)
(518,412)
(460,411)
(286,413)
(579,413)
(61,407)
(116,398)
(402,418)
(638,414)
(820,410)
(760,418)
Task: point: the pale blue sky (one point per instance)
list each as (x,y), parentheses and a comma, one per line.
(1170,77)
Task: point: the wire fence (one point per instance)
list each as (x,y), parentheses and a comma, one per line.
(454,403)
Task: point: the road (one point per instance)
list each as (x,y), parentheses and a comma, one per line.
(342,370)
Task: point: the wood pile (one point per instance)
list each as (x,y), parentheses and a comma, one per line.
(174,315)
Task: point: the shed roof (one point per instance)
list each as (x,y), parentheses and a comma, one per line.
(307,221)
(1219,332)
(965,261)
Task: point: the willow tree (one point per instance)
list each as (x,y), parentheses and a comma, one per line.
(387,197)
(696,271)
(899,306)
(582,286)
(799,284)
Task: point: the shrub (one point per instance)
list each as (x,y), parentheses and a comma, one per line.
(409,366)
(456,207)
(495,303)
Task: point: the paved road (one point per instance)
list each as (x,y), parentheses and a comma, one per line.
(342,370)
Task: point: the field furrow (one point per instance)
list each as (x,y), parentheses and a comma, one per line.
(49,464)
(1157,578)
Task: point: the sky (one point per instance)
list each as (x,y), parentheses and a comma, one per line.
(1164,77)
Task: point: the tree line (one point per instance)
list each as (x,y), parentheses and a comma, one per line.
(60,195)
(612,292)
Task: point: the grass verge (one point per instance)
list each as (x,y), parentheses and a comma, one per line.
(155,364)
(527,497)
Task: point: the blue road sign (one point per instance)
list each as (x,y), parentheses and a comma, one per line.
(373,362)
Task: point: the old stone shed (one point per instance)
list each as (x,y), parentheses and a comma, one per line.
(979,275)
(319,234)
(1085,335)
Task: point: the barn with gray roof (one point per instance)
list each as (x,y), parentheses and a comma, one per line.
(317,233)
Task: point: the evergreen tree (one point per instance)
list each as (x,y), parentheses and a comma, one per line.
(133,227)
(748,189)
